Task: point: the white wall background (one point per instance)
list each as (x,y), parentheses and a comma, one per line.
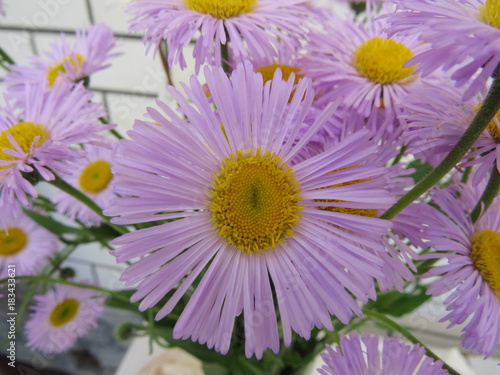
(126,89)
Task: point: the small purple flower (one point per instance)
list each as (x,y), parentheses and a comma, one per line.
(245,218)
(67,63)
(35,137)
(248,27)
(92,175)
(61,316)
(23,243)
(464,37)
(356,60)
(436,118)
(364,356)
(471,277)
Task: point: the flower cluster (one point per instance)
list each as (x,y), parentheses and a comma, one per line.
(315,169)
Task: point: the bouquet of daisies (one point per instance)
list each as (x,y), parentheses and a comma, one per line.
(317,172)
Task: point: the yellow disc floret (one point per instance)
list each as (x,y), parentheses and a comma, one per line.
(12,241)
(26,134)
(95,177)
(494,125)
(369,212)
(64,312)
(486,257)
(286,70)
(222,8)
(75,61)
(254,200)
(494,128)
(489,13)
(381,60)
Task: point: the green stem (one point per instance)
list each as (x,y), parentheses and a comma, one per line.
(466,175)
(353,326)
(406,334)
(59,183)
(46,279)
(116,134)
(398,158)
(5,57)
(24,305)
(332,336)
(224,54)
(112,131)
(164,60)
(150,329)
(489,194)
(5,67)
(490,107)
(358,8)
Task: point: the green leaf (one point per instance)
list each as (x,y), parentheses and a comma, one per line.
(215,369)
(50,224)
(44,203)
(421,170)
(117,303)
(240,365)
(202,352)
(104,232)
(398,304)
(5,57)
(425,265)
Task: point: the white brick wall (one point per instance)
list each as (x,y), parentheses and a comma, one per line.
(126,89)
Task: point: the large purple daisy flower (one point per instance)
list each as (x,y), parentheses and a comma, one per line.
(464,36)
(255,27)
(471,279)
(61,316)
(38,135)
(247,221)
(364,356)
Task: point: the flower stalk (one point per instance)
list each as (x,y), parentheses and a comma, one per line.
(406,334)
(488,110)
(489,194)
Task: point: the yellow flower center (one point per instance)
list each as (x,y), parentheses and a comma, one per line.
(381,60)
(222,8)
(493,127)
(24,133)
(95,177)
(253,200)
(286,70)
(269,70)
(486,257)
(369,212)
(12,241)
(75,61)
(489,13)
(64,312)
